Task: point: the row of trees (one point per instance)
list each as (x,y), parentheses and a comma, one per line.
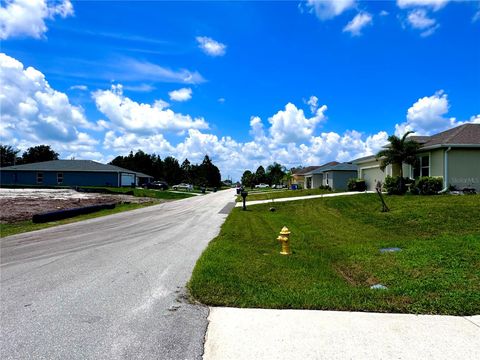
(167,169)
(272,176)
(170,170)
(9,155)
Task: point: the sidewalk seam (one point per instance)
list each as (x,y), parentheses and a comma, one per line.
(470,321)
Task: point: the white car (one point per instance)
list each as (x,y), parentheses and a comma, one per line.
(183,186)
(262,186)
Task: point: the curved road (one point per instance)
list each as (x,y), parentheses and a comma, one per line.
(111,287)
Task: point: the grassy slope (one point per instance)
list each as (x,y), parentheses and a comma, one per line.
(25,226)
(336,258)
(277,194)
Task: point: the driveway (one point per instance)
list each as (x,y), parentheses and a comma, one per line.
(111,287)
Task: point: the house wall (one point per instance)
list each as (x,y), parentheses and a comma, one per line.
(316,180)
(70,178)
(436,161)
(464,168)
(340,179)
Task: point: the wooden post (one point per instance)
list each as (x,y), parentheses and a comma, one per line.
(378,188)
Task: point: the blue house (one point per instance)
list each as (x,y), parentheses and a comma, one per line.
(70,173)
(334,175)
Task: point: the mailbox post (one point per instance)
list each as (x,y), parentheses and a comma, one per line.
(244,196)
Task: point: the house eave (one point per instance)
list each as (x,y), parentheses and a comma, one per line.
(439,146)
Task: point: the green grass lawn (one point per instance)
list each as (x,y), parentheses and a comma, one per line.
(156,194)
(28,225)
(282,193)
(336,257)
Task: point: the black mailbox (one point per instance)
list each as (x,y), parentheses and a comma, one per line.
(244,196)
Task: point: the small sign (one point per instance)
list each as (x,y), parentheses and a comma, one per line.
(390,249)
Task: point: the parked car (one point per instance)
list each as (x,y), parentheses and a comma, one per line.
(262,186)
(183,186)
(162,185)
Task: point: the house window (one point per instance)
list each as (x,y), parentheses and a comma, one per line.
(59,178)
(423,167)
(39,177)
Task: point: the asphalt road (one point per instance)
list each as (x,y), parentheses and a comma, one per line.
(111,287)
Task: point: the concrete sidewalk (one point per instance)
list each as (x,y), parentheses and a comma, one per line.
(309,334)
(256,202)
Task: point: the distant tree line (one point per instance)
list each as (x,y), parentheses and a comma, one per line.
(274,175)
(168,169)
(9,155)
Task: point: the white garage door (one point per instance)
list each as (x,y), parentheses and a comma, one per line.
(371,176)
(127,179)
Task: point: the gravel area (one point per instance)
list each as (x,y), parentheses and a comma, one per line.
(22,204)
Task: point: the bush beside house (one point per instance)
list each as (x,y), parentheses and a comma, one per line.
(356,185)
(429,185)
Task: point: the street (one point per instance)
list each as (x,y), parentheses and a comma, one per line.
(111,287)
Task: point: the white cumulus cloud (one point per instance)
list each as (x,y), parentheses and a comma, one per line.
(211,47)
(291,124)
(427,116)
(313,102)
(418,19)
(182,94)
(433,4)
(328,9)
(143,118)
(32,112)
(355,26)
(26,18)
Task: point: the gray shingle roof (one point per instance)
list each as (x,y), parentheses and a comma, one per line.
(333,166)
(466,134)
(70,165)
(309,169)
(341,167)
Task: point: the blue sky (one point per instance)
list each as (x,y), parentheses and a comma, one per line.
(248,83)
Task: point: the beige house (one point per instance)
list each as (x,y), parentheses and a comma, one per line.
(453,155)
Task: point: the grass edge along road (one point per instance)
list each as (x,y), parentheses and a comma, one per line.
(27,225)
(282,193)
(336,257)
(140,192)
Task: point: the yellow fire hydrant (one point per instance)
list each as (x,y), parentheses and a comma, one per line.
(284,239)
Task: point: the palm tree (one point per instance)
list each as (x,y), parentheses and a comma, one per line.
(399,151)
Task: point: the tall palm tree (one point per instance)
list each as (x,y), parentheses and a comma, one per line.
(399,151)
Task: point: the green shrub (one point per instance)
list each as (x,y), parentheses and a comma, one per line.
(356,185)
(325,187)
(429,185)
(395,185)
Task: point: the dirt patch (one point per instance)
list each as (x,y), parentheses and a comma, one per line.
(22,204)
(355,276)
